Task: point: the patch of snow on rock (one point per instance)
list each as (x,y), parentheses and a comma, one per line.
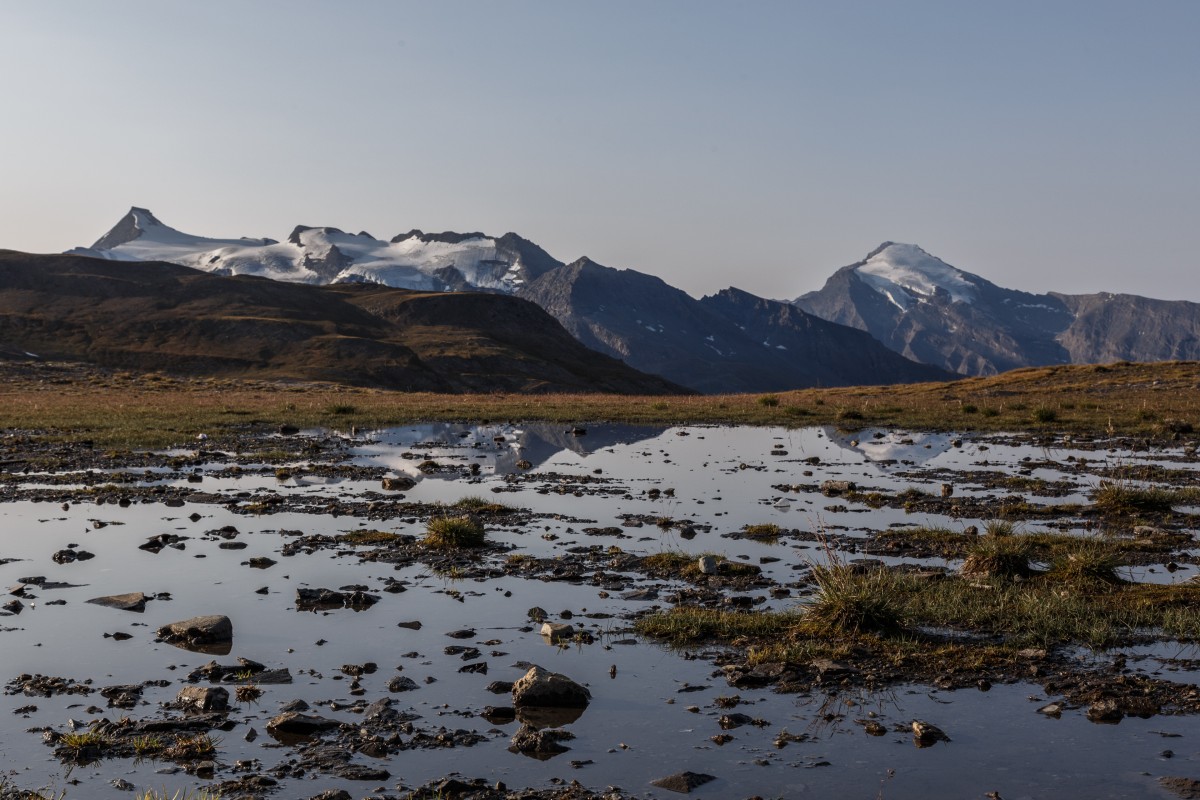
(904,273)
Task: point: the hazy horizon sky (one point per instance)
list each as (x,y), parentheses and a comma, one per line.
(1046,145)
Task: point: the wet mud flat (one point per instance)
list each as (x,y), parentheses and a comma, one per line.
(268,615)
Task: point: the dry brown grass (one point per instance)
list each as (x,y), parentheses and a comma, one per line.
(125,408)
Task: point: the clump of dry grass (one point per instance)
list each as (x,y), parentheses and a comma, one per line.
(999,554)
(851,601)
(451,533)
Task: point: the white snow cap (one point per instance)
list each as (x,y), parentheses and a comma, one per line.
(906,274)
(315,255)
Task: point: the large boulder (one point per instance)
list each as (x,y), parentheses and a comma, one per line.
(540,687)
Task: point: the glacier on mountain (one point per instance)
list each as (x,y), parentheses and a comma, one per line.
(327,255)
(904,273)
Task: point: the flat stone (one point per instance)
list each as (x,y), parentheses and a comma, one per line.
(133,601)
(213,629)
(293,722)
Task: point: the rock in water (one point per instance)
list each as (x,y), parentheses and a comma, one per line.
(133,601)
(204,698)
(540,687)
(539,744)
(557,631)
(925,734)
(297,724)
(401,483)
(214,630)
(683,782)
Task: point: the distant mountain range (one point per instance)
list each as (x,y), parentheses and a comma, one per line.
(629,315)
(730,342)
(899,315)
(158,316)
(931,312)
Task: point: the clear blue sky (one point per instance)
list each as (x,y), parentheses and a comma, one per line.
(1043,144)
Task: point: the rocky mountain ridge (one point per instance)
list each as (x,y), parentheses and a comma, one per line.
(929,311)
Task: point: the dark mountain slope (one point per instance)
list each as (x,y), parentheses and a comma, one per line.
(712,345)
(1125,327)
(149,315)
(827,353)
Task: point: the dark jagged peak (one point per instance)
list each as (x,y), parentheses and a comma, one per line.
(294,236)
(533,258)
(130,227)
(446,237)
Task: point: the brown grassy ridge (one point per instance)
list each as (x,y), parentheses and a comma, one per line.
(62,401)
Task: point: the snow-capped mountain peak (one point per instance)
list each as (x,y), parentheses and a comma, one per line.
(906,274)
(329,255)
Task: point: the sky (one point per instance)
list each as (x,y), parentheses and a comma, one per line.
(1042,144)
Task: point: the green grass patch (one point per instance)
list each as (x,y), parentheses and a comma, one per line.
(689,624)
(999,555)
(481,505)
(1086,562)
(452,533)
(368,538)
(1121,499)
(851,601)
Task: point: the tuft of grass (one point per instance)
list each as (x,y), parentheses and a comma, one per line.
(191,748)
(999,554)
(768,400)
(1085,563)
(850,601)
(341,409)
(999,527)
(970,408)
(148,745)
(1118,498)
(1043,414)
(449,533)
(481,505)
(78,740)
